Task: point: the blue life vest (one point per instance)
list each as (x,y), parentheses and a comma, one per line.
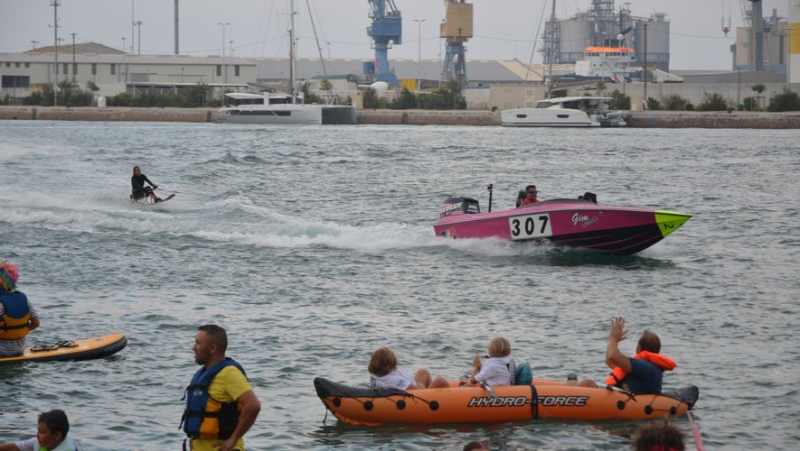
(15,317)
(205,417)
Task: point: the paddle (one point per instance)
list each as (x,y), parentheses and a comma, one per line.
(489,390)
(698,441)
(621,390)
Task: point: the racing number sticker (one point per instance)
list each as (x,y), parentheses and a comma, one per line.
(530,226)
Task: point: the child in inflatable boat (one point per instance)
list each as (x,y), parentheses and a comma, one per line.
(385,374)
(500,369)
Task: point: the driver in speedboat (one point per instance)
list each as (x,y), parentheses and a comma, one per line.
(530,196)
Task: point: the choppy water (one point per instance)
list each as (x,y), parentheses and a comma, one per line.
(313,246)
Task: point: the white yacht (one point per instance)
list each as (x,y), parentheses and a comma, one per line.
(565,112)
(283,109)
(272,108)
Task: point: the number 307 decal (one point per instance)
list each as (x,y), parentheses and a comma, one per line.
(530,226)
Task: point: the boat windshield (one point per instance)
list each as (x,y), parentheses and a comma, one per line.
(586,104)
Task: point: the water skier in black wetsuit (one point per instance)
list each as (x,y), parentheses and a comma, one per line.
(139,190)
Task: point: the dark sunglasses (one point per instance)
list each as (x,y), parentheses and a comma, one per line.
(532,192)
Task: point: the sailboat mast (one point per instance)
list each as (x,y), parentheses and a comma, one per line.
(550,50)
(292,50)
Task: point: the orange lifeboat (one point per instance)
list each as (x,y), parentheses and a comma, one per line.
(540,400)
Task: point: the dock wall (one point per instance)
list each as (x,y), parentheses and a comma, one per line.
(635,119)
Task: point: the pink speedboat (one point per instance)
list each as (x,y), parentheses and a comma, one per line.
(574,222)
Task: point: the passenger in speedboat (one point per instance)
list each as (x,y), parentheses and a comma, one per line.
(385,374)
(17,315)
(139,190)
(499,369)
(530,196)
(642,373)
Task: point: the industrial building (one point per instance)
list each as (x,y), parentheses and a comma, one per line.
(763,43)
(114,71)
(605,26)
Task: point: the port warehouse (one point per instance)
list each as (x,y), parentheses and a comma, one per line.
(493,84)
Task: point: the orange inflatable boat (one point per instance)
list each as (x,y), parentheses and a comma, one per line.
(540,400)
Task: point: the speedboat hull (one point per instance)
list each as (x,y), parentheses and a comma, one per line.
(542,399)
(571,222)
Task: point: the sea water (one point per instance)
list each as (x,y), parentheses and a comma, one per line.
(313,246)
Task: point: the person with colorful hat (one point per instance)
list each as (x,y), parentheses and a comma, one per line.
(17,315)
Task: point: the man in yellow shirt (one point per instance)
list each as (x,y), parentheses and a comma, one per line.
(220,404)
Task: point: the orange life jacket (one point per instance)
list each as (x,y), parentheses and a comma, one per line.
(665,363)
(527,201)
(15,317)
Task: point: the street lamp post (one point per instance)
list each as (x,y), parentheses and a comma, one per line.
(738,86)
(122,67)
(224,68)
(645,64)
(74,67)
(419,53)
(139,29)
(55,52)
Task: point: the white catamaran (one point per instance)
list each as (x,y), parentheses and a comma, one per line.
(283,109)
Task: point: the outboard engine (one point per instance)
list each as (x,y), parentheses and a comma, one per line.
(459,206)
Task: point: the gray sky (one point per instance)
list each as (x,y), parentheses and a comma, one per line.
(504,29)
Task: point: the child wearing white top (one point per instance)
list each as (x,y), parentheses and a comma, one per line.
(499,369)
(385,374)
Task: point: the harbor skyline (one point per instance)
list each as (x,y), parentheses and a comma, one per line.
(258,28)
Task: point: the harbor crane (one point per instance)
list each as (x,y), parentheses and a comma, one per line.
(386,29)
(456,30)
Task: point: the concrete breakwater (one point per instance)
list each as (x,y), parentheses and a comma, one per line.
(106,114)
(636,119)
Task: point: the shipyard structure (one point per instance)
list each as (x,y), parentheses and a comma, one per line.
(603,25)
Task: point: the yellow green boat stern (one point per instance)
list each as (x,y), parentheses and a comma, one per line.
(670,221)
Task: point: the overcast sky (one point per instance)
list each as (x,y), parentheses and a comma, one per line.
(504,29)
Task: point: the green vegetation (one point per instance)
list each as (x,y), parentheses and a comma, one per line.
(653,103)
(447,97)
(674,102)
(69,93)
(193,97)
(620,101)
(405,101)
(786,101)
(600,86)
(325,85)
(713,102)
(371,99)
